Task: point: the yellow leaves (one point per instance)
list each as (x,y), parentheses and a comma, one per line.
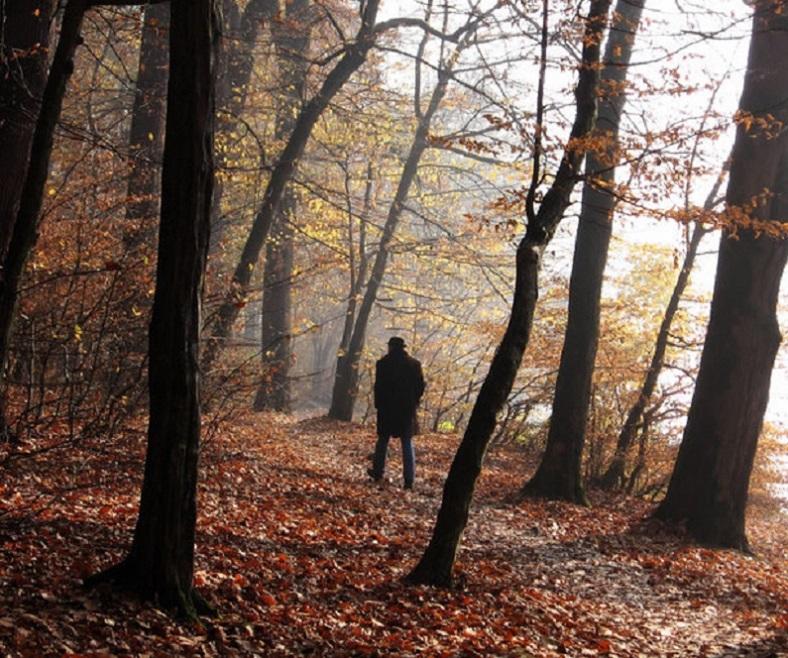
(316,205)
(78,333)
(151,137)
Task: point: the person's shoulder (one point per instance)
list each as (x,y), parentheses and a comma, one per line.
(414,361)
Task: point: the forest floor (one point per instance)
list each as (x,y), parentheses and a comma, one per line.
(304,556)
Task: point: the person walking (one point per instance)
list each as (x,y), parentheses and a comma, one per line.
(399,385)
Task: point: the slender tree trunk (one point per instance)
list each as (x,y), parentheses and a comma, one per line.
(146,137)
(276,311)
(291,39)
(354,57)
(24,232)
(345,391)
(24,39)
(357,276)
(159,564)
(238,50)
(559,473)
(235,64)
(614,475)
(640,461)
(437,562)
(358,269)
(709,485)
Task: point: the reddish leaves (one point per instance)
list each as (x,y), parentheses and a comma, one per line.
(303,555)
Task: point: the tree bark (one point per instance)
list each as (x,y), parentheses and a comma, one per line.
(708,488)
(345,391)
(24,232)
(273,391)
(291,37)
(24,39)
(354,57)
(559,473)
(146,137)
(437,562)
(159,565)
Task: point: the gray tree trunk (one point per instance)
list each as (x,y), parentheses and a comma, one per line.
(291,38)
(146,137)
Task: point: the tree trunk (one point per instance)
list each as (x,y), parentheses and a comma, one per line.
(235,63)
(559,473)
(437,563)
(159,564)
(358,272)
(24,232)
(24,39)
(345,391)
(146,137)
(354,57)
(614,475)
(276,340)
(708,488)
(291,39)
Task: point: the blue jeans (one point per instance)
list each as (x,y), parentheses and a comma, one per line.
(408,458)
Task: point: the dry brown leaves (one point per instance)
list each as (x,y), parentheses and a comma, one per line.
(304,556)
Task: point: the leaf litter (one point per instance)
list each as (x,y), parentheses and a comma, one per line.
(304,556)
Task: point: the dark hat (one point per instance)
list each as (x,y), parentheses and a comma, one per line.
(396,341)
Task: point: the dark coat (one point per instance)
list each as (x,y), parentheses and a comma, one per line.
(399,384)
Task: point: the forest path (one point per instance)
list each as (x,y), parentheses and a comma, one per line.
(304,556)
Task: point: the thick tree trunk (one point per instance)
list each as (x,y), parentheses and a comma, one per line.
(146,137)
(437,563)
(709,485)
(345,391)
(559,473)
(354,57)
(291,39)
(24,231)
(159,565)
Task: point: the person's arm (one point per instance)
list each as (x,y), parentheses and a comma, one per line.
(377,386)
(419,383)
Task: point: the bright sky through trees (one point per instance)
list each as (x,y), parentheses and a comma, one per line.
(704,49)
